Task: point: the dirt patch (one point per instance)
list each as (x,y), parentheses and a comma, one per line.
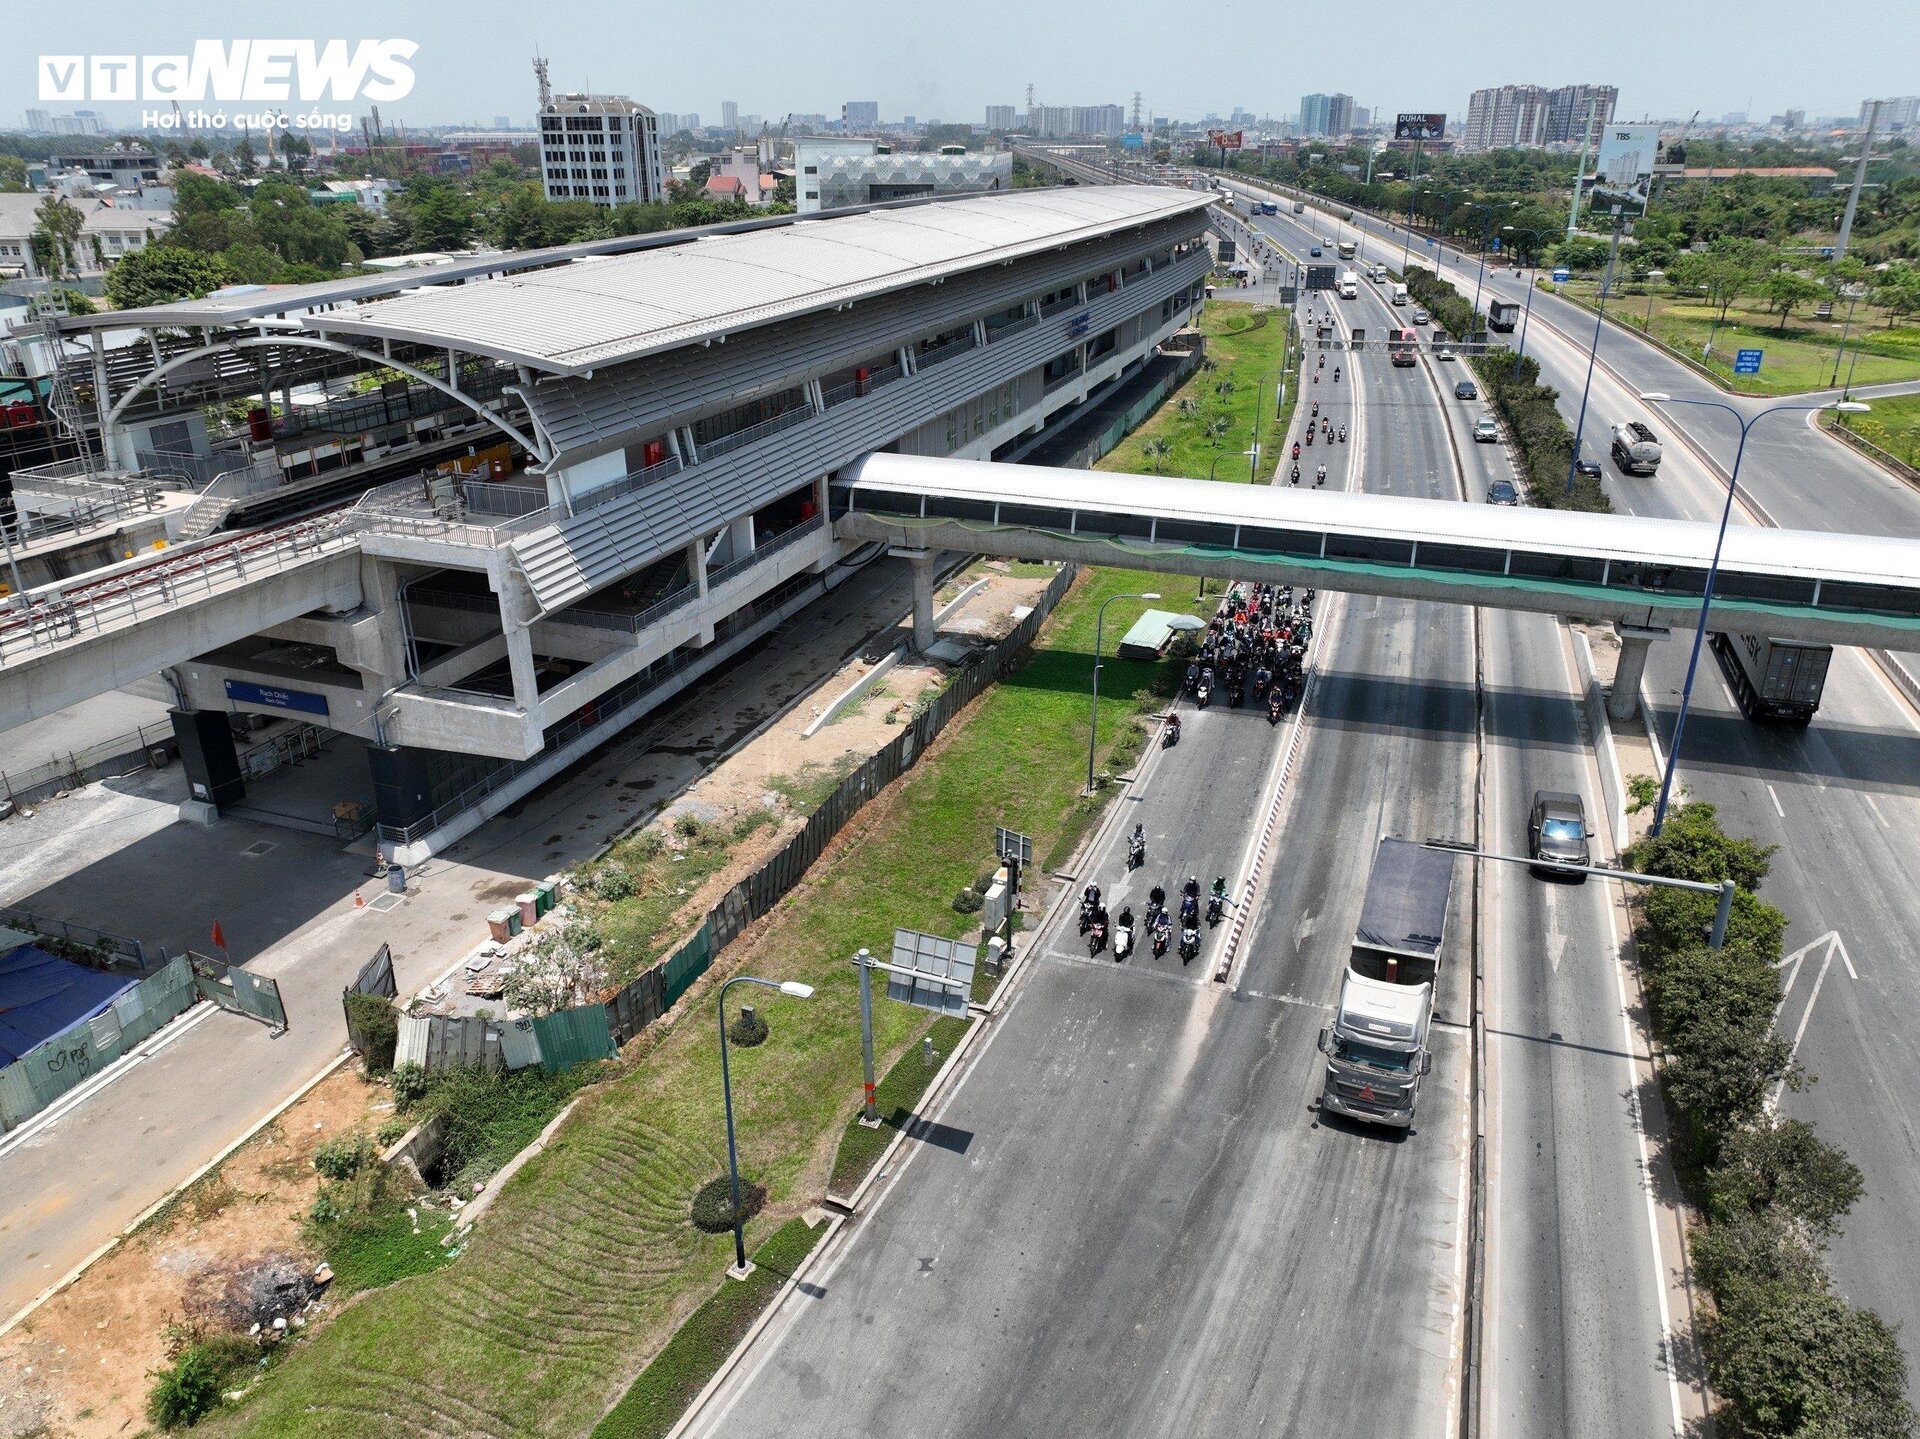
(226,1254)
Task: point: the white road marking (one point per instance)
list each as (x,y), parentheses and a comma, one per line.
(1876,812)
(1774,795)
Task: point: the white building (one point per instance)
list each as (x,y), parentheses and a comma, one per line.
(740,174)
(834,174)
(108,234)
(601,148)
(1001,117)
(368,194)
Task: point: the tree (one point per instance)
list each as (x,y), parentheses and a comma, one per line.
(300,232)
(1779,1165)
(198,149)
(244,159)
(1785,291)
(1897,291)
(13,175)
(1581,253)
(55,236)
(1156,450)
(163,273)
(440,219)
(553,974)
(1216,431)
(1722,273)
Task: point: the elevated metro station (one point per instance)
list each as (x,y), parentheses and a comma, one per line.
(652,426)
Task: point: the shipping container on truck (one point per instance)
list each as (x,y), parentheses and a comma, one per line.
(1503,315)
(1377,1046)
(1403,347)
(1773,679)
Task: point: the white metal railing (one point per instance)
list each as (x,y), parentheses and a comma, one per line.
(726,444)
(856,389)
(627,484)
(760,552)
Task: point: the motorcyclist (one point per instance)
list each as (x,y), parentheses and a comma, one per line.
(1173,729)
(1296,449)
(1343,434)
(1336,374)
(1296,475)
(1320,478)
(1137,845)
(1123,936)
(1156,902)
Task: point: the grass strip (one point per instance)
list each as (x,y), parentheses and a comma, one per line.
(896,1095)
(694,1355)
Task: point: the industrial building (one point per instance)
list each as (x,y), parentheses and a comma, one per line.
(836,174)
(654,424)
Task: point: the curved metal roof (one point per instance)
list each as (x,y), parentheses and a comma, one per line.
(572,318)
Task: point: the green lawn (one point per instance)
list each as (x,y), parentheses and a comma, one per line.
(1246,355)
(1802,359)
(588,1262)
(1894,426)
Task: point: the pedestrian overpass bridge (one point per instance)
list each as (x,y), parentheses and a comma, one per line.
(1646,576)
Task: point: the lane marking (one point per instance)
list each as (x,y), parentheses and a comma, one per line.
(1793,1050)
(1774,795)
(1876,812)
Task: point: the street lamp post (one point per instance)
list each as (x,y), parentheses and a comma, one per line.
(1253,463)
(1593,354)
(1654,277)
(1520,353)
(1746,423)
(1099,621)
(793,989)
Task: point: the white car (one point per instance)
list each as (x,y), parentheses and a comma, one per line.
(1420,317)
(1486,431)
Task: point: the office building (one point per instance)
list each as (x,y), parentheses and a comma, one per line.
(1002,117)
(601,148)
(632,504)
(39,122)
(730,116)
(834,173)
(125,165)
(1326,114)
(860,115)
(1899,114)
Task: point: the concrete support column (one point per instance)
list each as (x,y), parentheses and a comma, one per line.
(923,632)
(212,763)
(1623,700)
(740,537)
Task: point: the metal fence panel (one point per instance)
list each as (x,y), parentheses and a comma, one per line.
(573,1036)
(688,963)
(519,1044)
(259,996)
(376,975)
(18,1102)
(638,1005)
(411,1046)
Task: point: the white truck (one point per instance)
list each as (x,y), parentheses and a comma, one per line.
(1399,294)
(1349,285)
(1376,1049)
(1636,449)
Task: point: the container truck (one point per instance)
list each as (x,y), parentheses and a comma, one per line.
(1773,679)
(1349,285)
(1403,347)
(1376,1048)
(1503,315)
(1636,449)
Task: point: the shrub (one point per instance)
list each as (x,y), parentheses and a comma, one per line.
(409,1087)
(612,882)
(713,1204)
(374,1026)
(187,1390)
(390,1133)
(1779,1166)
(748,1029)
(345,1155)
(967,902)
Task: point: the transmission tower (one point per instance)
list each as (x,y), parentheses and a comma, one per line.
(1136,112)
(540,74)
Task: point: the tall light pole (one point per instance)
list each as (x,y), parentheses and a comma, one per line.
(793,989)
(1859,180)
(1099,620)
(1253,463)
(1486,228)
(1593,353)
(1746,423)
(1534,236)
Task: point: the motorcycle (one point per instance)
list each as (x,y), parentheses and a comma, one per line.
(1296,472)
(1171,736)
(1122,942)
(1162,932)
(1321,478)
(1274,707)
(1089,907)
(1136,850)
(1096,938)
(1316,409)
(1213,910)
(1193,678)
(1336,374)
(1296,449)
(1309,437)
(1204,693)
(1189,944)
(1343,434)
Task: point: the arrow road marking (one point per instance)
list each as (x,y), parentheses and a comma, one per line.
(1834,945)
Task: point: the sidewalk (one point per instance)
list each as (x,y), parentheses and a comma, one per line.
(289,912)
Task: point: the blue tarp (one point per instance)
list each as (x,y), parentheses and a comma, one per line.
(41,994)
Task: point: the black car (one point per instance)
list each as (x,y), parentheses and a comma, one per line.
(1585,466)
(1466,390)
(1502,492)
(1557,832)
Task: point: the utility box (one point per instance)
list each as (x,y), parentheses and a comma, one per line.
(993,910)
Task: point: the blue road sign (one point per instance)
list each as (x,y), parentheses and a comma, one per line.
(1496,244)
(1826,252)
(1561,275)
(1747,362)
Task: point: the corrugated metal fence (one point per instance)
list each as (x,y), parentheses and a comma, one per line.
(595,1031)
(375,977)
(44,1073)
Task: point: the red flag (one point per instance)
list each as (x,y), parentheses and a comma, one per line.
(219,937)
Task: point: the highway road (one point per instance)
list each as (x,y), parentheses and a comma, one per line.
(1132,1218)
(1841,798)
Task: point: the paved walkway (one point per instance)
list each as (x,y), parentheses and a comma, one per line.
(114,856)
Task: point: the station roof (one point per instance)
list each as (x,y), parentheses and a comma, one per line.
(570,319)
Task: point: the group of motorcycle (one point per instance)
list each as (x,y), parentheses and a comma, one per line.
(1321,425)
(1095,926)
(1256,647)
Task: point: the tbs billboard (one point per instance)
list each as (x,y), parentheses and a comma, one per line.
(1420,127)
(1623,174)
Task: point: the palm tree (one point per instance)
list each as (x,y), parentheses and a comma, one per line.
(1208,365)
(1224,388)
(1156,450)
(1217,430)
(1186,407)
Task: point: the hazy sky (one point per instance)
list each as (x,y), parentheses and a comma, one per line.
(1668,57)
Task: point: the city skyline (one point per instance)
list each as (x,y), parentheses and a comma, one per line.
(819,69)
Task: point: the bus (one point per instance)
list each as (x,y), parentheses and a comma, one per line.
(1347,248)
(1403,347)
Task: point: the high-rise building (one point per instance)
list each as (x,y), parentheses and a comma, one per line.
(1505,116)
(601,148)
(1567,108)
(1107,120)
(1326,114)
(669,124)
(860,115)
(1902,112)
(1794,120)
(730,115)
(689,121)
(1362,117)
(39,122)
(1001,117)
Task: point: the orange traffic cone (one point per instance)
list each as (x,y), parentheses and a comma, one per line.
(359,900)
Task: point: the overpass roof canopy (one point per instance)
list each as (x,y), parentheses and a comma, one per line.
(570,309)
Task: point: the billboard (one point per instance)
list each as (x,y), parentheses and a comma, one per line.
(1623,174)
(1420,127)
(1225,139)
